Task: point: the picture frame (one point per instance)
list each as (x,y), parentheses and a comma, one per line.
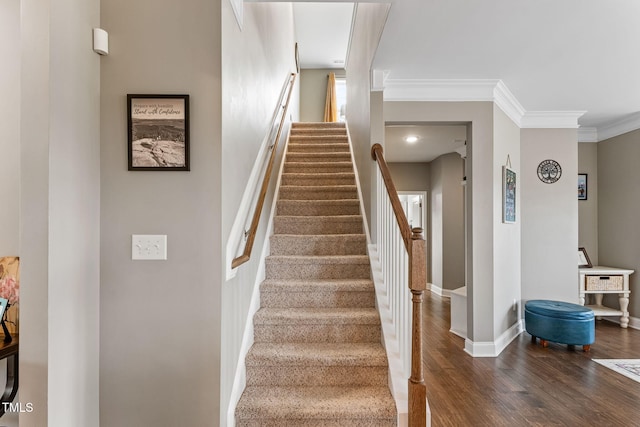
(583,258)
(582,186)
(158,132)
(509,189)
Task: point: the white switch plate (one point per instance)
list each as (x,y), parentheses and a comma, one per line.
(149,246)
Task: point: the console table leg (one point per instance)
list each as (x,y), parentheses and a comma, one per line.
(624,306)
(11,389)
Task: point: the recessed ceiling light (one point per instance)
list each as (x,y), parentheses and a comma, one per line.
(411,139)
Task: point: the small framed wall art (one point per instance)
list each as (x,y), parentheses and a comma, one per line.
(508,195)
(582,186)
(158,128)
(583,259)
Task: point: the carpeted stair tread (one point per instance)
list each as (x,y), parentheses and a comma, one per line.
(319,179)
(313,157)
(306,225)
(316,316)
(318,125)
(300,145)
(324,403)
(318,244)
(322,259)
(318,166)
(314,192)
(318,207)
(317,354)
(354,285)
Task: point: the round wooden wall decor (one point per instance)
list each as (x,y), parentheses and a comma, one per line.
(549,171)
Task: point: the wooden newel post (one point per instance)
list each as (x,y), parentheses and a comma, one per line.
(417,284)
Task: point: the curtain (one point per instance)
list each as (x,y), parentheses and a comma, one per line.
(331,106)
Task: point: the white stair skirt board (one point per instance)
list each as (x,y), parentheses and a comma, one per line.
(493,348)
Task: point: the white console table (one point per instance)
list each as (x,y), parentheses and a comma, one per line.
(602,275)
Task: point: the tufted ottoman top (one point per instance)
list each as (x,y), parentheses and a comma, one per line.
(559,309)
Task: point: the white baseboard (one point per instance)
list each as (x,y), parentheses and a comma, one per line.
(445,293)
(634,322)
(493,348)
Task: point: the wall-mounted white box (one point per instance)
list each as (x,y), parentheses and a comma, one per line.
(149,247)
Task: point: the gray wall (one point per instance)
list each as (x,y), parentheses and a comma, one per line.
(416,177)
(313,93)
(10,127)
(618,207)
(59,213)
(549,216)
(160,320)
(447,222)
(588,209)
(257,62)
(481,177)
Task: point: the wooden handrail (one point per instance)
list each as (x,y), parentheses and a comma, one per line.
(405,230)
(257,213)
(415,244)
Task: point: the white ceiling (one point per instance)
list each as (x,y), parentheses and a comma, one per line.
(553,56)
(323,31)
(433,141)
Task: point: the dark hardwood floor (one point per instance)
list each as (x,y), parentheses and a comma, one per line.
(528,385)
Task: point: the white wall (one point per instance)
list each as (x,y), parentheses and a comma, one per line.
(10,127)
(60,213)
(367,28)
(588,209)
(549,214)
(256,63)
(160,320)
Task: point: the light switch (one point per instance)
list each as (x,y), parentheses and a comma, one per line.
(149,246)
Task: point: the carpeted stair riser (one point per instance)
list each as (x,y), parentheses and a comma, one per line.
(299,267)
(313,131)
(318,179)
(329,144)
(318,406)
(354,293)
(297,192)
(301,364)
(304,157)
(317,325)
(321,126)
(317,167)
(319,244)
(348,224)
(318,207)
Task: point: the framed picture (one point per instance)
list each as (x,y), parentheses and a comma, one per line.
(158,132)
(583,259)
(582,186)
(508,195)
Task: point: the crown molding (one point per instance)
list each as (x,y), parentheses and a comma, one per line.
(587,134)
(628,124)
(489,90)
(551,119)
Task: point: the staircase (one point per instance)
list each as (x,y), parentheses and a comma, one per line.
(317,358)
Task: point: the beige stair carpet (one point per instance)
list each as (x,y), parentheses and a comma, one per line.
(317,358)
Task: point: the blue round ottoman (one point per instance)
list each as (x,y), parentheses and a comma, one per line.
(560,322)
